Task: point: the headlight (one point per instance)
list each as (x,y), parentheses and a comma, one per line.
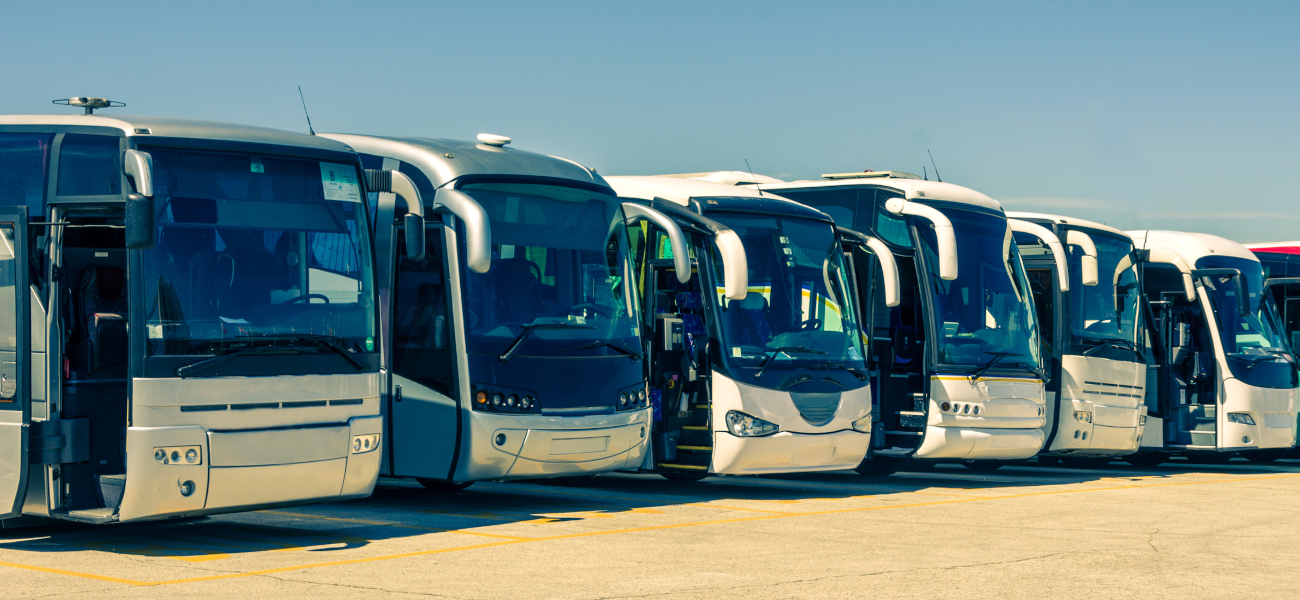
(1243,418)
(179,455)
(863,424)
(362,444)
(744,425)
(508,401)
(1083,415)
(1142,420)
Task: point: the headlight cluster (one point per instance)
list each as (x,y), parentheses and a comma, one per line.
(179,455)
(633,398)
(1142,420)
(743,425)
(486,399)
(362,444)
(960,408)
(1243,418)
(863,425)
(1083,416)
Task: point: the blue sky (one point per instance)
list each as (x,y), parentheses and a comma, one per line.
(1162,115)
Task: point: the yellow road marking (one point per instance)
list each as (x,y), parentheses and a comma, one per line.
(622,531)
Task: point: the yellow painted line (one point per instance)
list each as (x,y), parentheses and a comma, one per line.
(388,524)
(767,517)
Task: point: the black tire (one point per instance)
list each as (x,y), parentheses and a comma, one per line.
(918,466)
(1203,457)
(1147,459)
(439,485)
(1048,461)
(880,466)
(572,481)
(981,465)
(682,476)
(1264,456)
(1085,462)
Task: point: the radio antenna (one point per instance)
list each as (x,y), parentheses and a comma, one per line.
(936,167)
(304,111)
(752,177)
(924,173)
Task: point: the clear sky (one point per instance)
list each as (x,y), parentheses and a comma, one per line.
(1162,115)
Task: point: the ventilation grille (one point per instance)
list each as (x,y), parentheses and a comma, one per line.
(816,409)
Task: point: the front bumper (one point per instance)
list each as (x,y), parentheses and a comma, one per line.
(979,444)
(787,452)
(530,446)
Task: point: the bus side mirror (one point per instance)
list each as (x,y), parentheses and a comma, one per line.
(676,239)
(478,230)
(944,235)
(414,225)
(1087,262)
(398,183)
(140,231)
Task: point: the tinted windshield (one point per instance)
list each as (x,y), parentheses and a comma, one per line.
(255,246)
(799,311)
(987,311)
(1107,310)
(557,270)
(1254,344)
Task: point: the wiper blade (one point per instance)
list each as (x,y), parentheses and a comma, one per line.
(782,350)
(616,347)
(328,342)
(1113,343)
(997,356)
(528,331)
(837,366)
(203,365)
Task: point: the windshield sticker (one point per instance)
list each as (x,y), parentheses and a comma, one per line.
(340,182)
(256,166)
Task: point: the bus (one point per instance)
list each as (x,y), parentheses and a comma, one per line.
(1084,277)
(188,319)
(756,360)
(1281,261)
(956,365)
(1221,377)
(512,347)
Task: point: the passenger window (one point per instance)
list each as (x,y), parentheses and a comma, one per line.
(888,227)
(422,326)
(24,158)
(89,166)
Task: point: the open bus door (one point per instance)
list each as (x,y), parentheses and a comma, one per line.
(15,392)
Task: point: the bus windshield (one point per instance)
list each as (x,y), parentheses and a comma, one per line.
(799,312)
(555,292)
(1253,343)
(987,313)
(257,250)
(1108,310)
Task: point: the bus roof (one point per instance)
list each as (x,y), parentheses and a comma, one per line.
(910,186)
(1060,220)
(720,197)
(1190,246)
(170,127)
(444,160)
(1275,247)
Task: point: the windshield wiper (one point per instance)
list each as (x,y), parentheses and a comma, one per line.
(831,365)
(616,347)
(782,350)
(997,356)
(203,365)
(1113,343)
(528,331)
(328,342)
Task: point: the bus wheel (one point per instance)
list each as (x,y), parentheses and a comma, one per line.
(572,481)
(1264,456)
(1081,462)
(1208,458)
(981,465)
(1147,459)
(438,485)
(918,466)
(881,466)
(1048,461)
(680,476)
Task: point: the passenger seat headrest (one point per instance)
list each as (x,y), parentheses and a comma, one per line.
(688,301)
(108,281)
(753,301)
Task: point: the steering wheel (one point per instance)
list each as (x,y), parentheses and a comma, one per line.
(810,325)
(600,310)
(308,297)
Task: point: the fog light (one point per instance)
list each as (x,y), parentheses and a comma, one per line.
(501,439)
(976,410)
(965,409)
(863,425)
(481,397)
(945,406)
(497,399)
(512,400)
(187,488)
(191,456)
(1083,415)
(622,399)
(364,443)
(160,455)
(1242,418)
(1245,439)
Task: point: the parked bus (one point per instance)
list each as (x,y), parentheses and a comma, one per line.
(187,319)
(1222,379)
(757,362)
(956,364)
(1084,277)
(513,349)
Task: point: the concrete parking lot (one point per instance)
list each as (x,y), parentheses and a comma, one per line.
(1177,531)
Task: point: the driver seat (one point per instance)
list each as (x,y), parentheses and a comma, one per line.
(514,283)
(747,321)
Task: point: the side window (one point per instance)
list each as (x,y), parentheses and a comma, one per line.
(422,325)
(24,160)
(891,228)
(89,166)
